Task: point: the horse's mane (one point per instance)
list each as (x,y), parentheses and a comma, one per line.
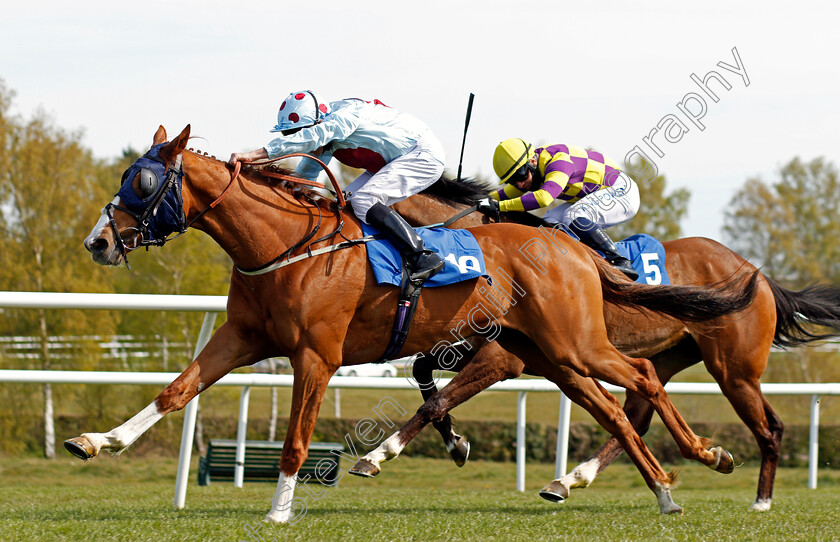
(301,193)
(466,191)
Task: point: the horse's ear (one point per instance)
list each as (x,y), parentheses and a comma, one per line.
(175,147)
(160,136)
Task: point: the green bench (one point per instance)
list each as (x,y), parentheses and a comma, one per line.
(262,462)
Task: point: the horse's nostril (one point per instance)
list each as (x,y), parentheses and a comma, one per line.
(99,245)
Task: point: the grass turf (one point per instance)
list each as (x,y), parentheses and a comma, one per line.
(413,499)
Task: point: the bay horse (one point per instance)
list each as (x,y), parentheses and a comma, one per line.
(286,312)
(735,350)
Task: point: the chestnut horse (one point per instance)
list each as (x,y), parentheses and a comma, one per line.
(735,350)
(285,312)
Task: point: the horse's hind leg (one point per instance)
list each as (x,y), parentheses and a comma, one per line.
(487,367)
(639,412)
(752,407)
(590,354)
(223,353)
(739,382)
(606,410)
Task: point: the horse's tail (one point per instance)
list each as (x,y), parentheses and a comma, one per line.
(798,313)
(685,303)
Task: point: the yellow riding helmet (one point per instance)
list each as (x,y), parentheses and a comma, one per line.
(510,156)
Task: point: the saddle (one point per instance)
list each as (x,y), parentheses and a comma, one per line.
(463,259)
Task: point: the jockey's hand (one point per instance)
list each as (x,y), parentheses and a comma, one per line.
(490,207)
(234,158)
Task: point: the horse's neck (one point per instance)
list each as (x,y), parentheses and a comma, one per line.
(253,223)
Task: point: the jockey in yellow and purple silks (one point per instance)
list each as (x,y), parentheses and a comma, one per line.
(581,189)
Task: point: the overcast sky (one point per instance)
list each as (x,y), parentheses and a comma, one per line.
(600,74)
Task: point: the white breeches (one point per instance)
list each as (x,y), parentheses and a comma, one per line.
(606,207)
(405,176)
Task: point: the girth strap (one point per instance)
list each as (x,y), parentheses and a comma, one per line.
(407,305)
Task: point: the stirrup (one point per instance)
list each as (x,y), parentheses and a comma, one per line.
(624,265)
(428,265)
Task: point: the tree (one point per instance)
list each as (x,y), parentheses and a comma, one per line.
(48,188)
(659,215)
(791,227)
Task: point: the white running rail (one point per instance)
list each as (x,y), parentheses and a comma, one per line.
(214,304)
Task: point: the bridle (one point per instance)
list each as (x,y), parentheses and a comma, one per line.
(172,218)
(173,176)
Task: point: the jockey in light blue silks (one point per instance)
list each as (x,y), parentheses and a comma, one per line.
(399,153)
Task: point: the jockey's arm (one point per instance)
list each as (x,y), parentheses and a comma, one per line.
(512,199)
(336,126)
(310,169)
(257,154)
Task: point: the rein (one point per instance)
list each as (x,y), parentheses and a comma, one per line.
(277,264)
(285,258)
(339,195)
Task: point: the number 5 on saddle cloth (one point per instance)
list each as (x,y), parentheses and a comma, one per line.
(647,256)
(458,248)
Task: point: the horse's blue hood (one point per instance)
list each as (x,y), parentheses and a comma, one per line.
(168,215)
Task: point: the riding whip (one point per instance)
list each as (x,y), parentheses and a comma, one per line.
(466,126)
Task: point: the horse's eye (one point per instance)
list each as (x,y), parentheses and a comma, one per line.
(146,183)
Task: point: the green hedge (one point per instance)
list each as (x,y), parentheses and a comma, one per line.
(493,441)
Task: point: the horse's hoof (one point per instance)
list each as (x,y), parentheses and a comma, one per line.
(555,492)
(81,447)
(674,511)
(365,468)
(460,452)
(760,505)
(725,462)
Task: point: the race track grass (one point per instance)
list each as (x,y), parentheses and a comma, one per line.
(413,499)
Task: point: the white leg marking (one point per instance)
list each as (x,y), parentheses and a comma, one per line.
(122,437)
(666,503)
(582,475)
(281,506)
(453,439)
(389,449)
(761,505)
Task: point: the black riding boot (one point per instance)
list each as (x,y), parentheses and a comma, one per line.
(423,263)
(595,237)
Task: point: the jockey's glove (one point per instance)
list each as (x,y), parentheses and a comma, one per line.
(490,207)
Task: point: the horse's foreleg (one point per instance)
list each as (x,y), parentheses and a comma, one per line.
(607,412)
(489,366)
(224,352)
(638,375)
(422,369)
(639,412)
(589,394)
(312,374)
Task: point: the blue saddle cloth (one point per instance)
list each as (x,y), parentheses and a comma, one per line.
(647,256)
(459,249)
